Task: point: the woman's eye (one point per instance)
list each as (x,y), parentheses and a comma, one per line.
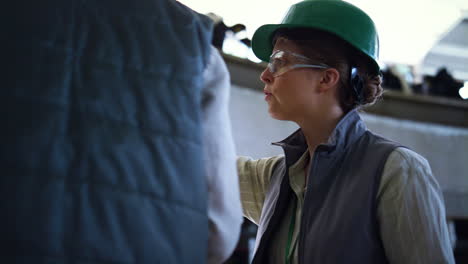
(278,63)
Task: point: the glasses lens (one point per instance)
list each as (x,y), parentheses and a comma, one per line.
(271,67)
(284,61)
(277,61)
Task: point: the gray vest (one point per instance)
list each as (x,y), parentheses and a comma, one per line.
(339,218)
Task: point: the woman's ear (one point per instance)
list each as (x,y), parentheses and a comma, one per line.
(330,78)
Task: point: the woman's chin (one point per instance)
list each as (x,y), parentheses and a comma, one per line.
(276,115)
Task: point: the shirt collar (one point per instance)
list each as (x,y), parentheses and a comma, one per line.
(346,132)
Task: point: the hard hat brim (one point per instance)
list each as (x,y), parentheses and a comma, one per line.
(262,40)
(337,17)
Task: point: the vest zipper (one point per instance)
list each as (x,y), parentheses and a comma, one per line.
(308,187)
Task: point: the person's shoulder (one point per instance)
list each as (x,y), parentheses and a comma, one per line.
(266,165)
(405,166)
(379,141)
(271,161)
(399,152)
(403,155)
(404,170)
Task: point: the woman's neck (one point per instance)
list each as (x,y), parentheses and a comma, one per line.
(318,129)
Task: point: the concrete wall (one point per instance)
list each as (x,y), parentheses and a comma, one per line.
(395,104)
(445,147)
(253,128)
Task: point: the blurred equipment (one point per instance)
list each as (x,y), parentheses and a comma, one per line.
(451,51)
(390,81)
(394,79)
(443,84)
(220,29)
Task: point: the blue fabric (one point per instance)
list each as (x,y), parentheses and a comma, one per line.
(101,137)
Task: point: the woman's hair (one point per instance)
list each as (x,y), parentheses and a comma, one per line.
(324,47)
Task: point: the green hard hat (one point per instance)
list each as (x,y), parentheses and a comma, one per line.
(335,16)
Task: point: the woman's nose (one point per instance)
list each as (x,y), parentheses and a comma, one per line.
(266,77)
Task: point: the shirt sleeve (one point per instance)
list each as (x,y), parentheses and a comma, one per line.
(224,207)
(411,212)
(254,178)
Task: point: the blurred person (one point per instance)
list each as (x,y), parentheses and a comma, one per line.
(340,194)
(111,111)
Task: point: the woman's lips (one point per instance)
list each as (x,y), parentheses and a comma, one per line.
(267,94)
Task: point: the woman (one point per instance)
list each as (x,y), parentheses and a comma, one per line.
(340,194)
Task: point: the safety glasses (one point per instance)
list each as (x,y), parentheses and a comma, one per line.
(284,61)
